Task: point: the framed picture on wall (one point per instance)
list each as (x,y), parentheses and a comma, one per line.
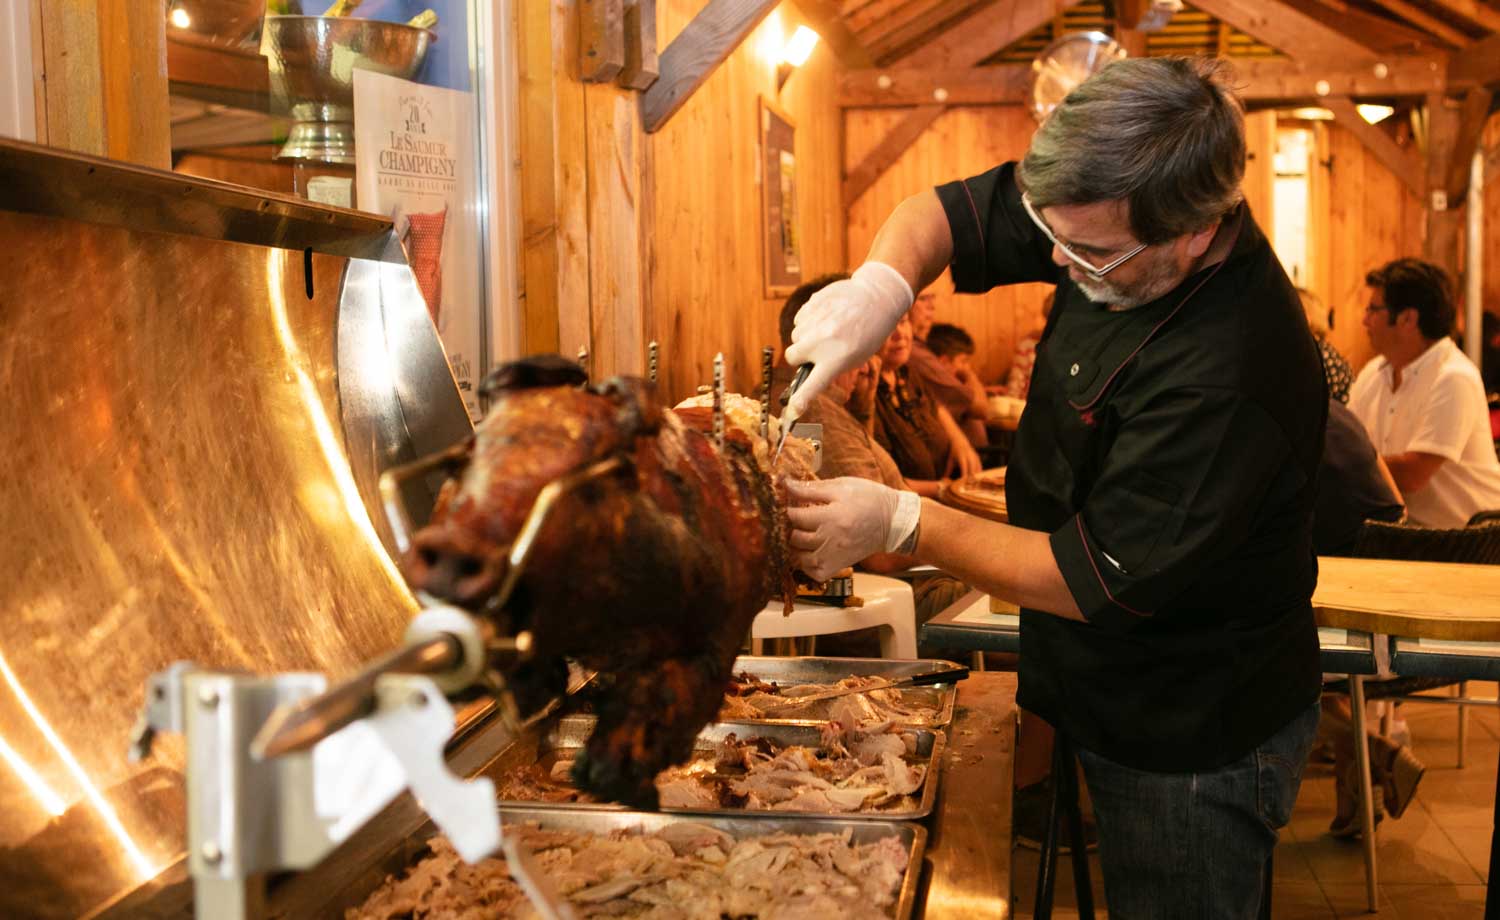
(781,243)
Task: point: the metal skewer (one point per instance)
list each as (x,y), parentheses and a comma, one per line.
(719,399)
(651,351)
(766,355)
(300,727)
(583,358)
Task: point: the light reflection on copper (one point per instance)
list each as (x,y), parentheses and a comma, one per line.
(328,440)
(106,812)
(38,787)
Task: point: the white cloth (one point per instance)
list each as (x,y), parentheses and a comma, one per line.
(1439,409)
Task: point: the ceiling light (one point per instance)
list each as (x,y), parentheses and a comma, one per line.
(1312,113)
(1375,113)
(179,17)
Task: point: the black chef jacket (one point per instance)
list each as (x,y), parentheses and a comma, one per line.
(1171,451)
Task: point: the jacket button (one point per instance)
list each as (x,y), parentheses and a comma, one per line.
(1073,371)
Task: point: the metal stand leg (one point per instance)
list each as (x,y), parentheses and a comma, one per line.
(1046,872)
(1461,691)
(1366,793)
(1492,895)
(1083,890)
(1064,805)
(976,661)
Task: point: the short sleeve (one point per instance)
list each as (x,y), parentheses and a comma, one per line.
(994,241)
(1447,417)
(1180,491)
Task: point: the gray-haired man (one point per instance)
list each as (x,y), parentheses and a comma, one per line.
(1162,482)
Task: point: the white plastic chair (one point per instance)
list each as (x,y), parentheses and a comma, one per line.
(888,605)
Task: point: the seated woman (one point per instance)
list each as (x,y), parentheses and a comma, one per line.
(919,434)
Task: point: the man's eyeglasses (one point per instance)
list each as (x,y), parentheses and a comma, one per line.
(1095,271)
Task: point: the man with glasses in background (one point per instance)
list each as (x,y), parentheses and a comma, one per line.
(1161,487)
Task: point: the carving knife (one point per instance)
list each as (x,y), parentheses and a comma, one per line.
(952,675)
(789,417)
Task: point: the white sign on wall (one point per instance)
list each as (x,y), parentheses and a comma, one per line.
(415,162)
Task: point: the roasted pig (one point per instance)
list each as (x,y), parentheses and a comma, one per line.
(649,572)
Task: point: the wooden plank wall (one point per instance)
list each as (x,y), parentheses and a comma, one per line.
(704,276)
(964,141)
(1491,240)
(1371,218)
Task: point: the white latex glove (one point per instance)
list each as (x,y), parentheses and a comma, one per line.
(843,324)
(838,522)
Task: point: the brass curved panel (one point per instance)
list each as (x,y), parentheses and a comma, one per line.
(176,484)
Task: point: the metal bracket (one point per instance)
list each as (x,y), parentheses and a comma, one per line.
(811,431)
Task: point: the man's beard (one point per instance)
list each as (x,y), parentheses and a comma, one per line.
(1158,280)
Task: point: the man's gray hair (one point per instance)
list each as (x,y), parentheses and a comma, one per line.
(1166,134)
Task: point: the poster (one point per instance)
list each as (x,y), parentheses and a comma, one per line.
(415,162)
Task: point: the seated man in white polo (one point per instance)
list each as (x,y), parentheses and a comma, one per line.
(1422,399)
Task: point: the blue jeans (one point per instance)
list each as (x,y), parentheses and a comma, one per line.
(1195,845)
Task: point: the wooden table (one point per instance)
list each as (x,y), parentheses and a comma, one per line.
(968,845)
(982,495)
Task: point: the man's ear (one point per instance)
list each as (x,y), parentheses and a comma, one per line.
(1199,242)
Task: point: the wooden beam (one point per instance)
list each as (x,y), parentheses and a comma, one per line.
(1402,161)
(1472,115)
(1486,17)
(642,66)
(825,19)
(1259,82)
(984,33)
(1376,32)
(1492,164)
(1132,40)
(1287,29)
(1426,22)
(601,44)
(697,52)
(896,35)
(1269,81)
(1128,13)
(1479,63)
(888,151)
(1005,84)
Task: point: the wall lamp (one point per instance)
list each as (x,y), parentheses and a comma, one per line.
(795,53)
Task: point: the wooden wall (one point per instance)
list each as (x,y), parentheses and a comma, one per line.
(1491,240)
(706,292)
(1370,218)
(963,141)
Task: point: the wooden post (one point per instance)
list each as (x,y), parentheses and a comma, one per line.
(1454,131)
(104,78)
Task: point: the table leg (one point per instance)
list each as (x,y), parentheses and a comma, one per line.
(1492,895)
(1366,794)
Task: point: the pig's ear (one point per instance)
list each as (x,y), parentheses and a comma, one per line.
(638,411)
(532,372)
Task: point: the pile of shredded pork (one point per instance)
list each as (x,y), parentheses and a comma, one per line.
(749,698)
(851,770)
(684,872)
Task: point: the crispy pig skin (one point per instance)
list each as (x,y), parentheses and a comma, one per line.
(650,574)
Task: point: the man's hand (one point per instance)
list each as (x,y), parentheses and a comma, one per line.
(866,382)
(843,324)
(963,459)
(838,522)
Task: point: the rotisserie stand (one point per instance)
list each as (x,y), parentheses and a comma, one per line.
(206,385)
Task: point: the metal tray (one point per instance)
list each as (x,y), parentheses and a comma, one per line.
(812,670)
(571,733)
(912,836)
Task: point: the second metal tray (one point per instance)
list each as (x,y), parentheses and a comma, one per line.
(789,672)
(913,838)
(571,733)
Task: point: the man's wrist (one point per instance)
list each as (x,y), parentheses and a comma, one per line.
(908,546)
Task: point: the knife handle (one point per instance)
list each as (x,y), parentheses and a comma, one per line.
(937,677)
